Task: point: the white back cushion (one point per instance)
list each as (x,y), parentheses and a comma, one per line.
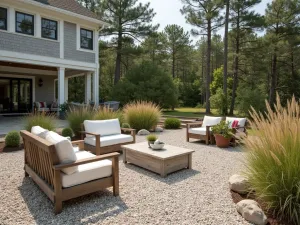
(64,150)
(211,121)
(102,127)
(39,131)
(242,121)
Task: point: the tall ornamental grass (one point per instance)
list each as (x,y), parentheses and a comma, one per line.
(273,159)
(77,115)
(105,114)
(142,115)
(40,119)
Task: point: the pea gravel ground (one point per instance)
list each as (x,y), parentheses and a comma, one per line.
(198,196)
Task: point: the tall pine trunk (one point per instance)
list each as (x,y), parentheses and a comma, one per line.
(118,59)
(272,96)
(225,58)
(173,64)
(208,59)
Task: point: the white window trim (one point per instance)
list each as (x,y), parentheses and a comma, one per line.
(78,27)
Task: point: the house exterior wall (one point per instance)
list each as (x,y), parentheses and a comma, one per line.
(70,45)
(46,92)
(27,44)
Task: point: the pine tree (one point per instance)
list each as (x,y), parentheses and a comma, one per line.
(225,75)
(243,22)
(205,16)
(176,41)
(128,19)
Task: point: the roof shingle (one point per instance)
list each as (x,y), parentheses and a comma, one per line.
(69,5)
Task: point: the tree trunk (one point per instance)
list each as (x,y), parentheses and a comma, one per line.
(202,76)
(236,67)
(273,84)
(226,57)
(208,75)
(173,64)
(118,59)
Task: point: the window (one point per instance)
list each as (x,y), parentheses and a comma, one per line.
(86,39)
(3,19)
(49,29)
(24,23)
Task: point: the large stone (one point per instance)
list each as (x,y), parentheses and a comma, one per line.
(239,184)
(252,212)
(143,132)
(159,129)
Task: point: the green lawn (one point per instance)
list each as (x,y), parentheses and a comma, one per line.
(187,112)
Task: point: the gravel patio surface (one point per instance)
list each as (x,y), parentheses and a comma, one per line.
(197,196)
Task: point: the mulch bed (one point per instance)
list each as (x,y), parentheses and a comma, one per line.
(10,149)
(236,197)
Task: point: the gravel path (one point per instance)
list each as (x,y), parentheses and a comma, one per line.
(198,196)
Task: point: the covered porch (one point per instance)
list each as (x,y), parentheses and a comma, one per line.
(21,85)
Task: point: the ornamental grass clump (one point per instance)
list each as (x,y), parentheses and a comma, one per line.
(46,121)
(142,115)
(77,115)
(273,159)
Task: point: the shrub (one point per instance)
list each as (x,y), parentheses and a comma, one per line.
(77,115)
(273,159)
(40,119)
(67,132)
(172,123)
(125,125)
(151,137)
(142,115)
(12,139)
(106,114)
(147,82)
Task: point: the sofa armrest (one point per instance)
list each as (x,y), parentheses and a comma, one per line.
(85,161)
(132,132)
(80,144)
(194,124)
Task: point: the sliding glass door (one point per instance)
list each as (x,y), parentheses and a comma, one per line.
(15,95)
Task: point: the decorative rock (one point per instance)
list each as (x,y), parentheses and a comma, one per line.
(239,184)
(143,132)
(252,212)
(159,129)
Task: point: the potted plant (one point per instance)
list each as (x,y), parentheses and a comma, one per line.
(63,108)
(151,139)
(223,134)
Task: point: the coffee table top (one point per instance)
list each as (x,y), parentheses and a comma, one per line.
(167,152)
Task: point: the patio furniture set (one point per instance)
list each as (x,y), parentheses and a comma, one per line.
(65,170)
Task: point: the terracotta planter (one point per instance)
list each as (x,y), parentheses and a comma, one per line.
(222,142)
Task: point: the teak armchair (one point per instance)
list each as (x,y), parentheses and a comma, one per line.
(42,165)
(105,136)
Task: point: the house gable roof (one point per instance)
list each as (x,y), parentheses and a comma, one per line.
(69,5)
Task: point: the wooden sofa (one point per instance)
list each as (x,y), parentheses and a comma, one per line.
(239,130)
(105,136)
(202,130)
(43,165)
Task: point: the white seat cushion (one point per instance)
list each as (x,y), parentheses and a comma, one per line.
(198,130)
(211,121)
(64,150)
(242,121)
(109,140)
(39,131)
(87,172)
(102,127)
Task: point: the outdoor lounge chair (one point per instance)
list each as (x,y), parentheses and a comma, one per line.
(202,130)
(105,136)
(64,172)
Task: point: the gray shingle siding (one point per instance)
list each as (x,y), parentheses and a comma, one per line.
(70,44)
(29,45)
(46,92)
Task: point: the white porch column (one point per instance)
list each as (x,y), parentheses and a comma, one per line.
(66,89)
(61,85)
(88,90)
(96,87)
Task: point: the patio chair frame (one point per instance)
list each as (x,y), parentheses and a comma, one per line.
(98,150)
(208,137)
(42,165)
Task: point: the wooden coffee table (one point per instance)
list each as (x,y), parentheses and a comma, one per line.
(163,162)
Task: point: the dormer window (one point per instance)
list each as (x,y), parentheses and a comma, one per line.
(24,23)
(3,18)
(86,39)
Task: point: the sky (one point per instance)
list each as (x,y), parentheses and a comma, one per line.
(168,12)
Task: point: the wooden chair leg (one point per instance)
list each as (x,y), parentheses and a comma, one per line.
(115,168)
(58,206)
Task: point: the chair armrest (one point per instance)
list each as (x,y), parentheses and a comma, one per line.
(132,131)
(194,124)
(85,161)
(90,133)
(80,144)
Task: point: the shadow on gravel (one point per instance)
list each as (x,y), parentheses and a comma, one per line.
(88,209)
(172,178)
